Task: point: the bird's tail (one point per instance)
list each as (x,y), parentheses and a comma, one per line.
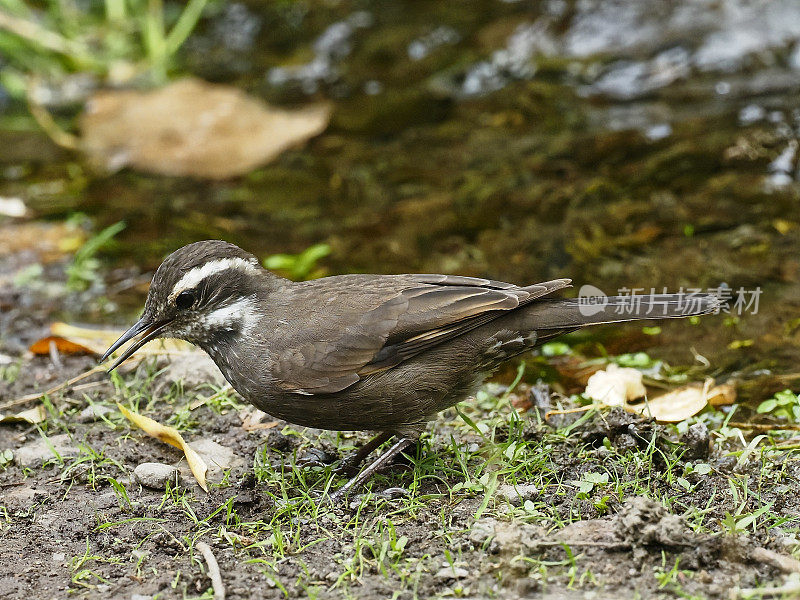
(573,313)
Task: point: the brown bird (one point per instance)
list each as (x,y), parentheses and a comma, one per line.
(363,352)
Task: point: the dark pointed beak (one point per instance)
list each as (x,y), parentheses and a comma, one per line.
(143,328)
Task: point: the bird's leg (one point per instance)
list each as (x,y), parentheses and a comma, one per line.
(351,463)
(371,469)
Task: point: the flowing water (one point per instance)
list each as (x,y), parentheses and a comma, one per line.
(623,144)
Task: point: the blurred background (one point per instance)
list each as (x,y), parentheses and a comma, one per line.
(623,144)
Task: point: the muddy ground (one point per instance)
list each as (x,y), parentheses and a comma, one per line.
(498,503)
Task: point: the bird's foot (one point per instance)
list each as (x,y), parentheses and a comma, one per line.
(349,464)
(371,469)
(315,457)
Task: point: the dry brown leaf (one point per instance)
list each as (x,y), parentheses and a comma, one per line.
(63,345)
(192,127)
(37,414)
(170,436)
(251,419)
(722,395)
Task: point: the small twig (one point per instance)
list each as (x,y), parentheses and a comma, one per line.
(55,356)
(201,401)
(46,121)
(785,563)
(52,390)
(87,386)
(588,544)
(568,411)
(787,590)
(213,570)
(767,426)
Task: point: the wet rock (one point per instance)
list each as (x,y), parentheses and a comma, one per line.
(697,441)
(157,475)
(33,454)
(92,413)
(517,494)
(389,114)
(334,44)
(643,521)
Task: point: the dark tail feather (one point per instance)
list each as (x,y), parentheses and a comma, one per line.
(572,313)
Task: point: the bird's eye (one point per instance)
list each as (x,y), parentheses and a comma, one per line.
(184,300)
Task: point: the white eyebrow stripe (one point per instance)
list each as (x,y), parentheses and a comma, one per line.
(212,267)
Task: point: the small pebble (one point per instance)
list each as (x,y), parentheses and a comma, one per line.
(449,572)
(157,475)
(697,440)
(393,493)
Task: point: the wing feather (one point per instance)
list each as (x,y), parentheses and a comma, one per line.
(411,315)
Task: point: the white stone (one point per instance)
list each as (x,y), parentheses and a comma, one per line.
(157,475)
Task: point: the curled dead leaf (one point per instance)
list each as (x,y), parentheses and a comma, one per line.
(722,395)
(680,404)
(170,436)
(615,385)
(252,417)
(34,415)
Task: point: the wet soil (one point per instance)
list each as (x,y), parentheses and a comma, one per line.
(622,144)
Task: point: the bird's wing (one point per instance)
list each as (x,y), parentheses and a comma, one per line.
(413,314)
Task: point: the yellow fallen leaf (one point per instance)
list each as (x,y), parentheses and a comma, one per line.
(98,340)
(676,405)
(37,414)
(170,436)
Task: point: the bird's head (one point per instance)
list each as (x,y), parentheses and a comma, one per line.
(202,293)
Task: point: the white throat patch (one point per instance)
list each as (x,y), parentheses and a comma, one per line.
(212,267)
(242,312)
